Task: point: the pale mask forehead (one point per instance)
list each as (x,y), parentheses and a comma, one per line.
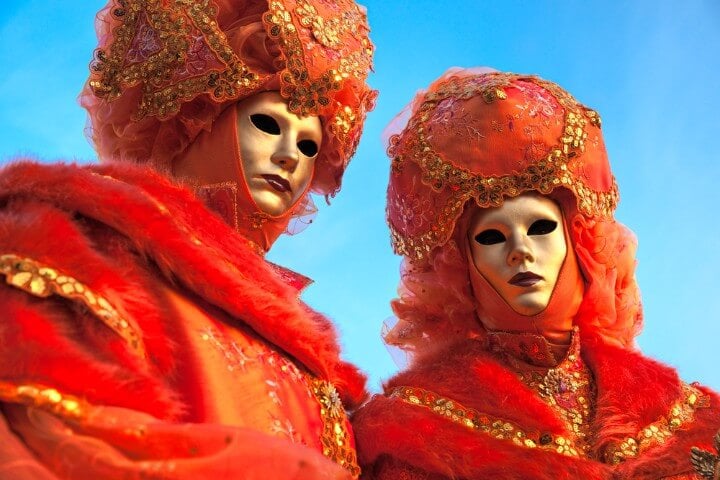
(278,150)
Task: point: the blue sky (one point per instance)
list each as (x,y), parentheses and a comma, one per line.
(649,67)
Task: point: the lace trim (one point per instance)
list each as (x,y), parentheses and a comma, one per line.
(660,431)
(43,281)
(45,398)
(336,438)
(543,176)
(495,427)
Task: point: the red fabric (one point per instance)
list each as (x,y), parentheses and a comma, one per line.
(633,391)
(124,232)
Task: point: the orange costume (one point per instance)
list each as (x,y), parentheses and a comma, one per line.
(144,335)
(494,391)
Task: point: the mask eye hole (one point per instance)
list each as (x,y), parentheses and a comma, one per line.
(308,148)
(265,123)
(489,237)
(542,227)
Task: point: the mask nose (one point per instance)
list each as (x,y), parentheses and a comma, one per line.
(286,156)
(520,251)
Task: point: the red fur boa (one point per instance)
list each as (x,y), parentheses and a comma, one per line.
(633,391)
(118,229)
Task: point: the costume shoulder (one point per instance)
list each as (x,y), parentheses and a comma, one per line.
(83,252)
(462,414)
(446,417)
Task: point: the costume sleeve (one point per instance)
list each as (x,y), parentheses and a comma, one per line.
(117,443)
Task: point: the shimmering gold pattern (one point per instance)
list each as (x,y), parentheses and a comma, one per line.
(308,96)
(43,281)
(542,176)
(660,431)
(336,439)
(153,41)
(45,398)
(497,428)
(569,389)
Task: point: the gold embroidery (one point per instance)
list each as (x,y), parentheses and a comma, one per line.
(305,97)
(49,399)
(569,390)
(308,96)
(543,175)
(660,431)
(496,428)
(153,41)
(336,439)
(43,281)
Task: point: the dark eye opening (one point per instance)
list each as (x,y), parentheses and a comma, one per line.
(542,227)
(490,237)
(265,123)
(308,148)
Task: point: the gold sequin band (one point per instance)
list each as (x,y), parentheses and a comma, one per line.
(43,281)
(44,398)
(496,428)
(336,439)
(659,432)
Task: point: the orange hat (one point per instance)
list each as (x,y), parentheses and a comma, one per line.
(485,137)
(164,71)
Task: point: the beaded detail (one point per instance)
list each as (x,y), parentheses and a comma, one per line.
(455,185)
(43,281)
(154,41)
(44,398)
(495,427)
(660,431)
(569,389)
(184,51)
(336,438)
(309,96)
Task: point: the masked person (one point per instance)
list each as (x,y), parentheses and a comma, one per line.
(143,333)
(518,303)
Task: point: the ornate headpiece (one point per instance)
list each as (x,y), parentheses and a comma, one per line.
(165,69)
(486,137)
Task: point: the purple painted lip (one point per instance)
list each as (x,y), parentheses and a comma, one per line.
(278,183)
(525,279)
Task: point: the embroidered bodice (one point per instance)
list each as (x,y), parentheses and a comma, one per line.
(567,385)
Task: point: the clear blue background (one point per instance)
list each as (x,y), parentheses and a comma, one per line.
(649,67)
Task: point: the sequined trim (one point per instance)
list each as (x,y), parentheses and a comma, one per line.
(43,281)
(45,398)
(543,176)
(496,428)
(154,41)
(336,438)
(308,96)
(660,431)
